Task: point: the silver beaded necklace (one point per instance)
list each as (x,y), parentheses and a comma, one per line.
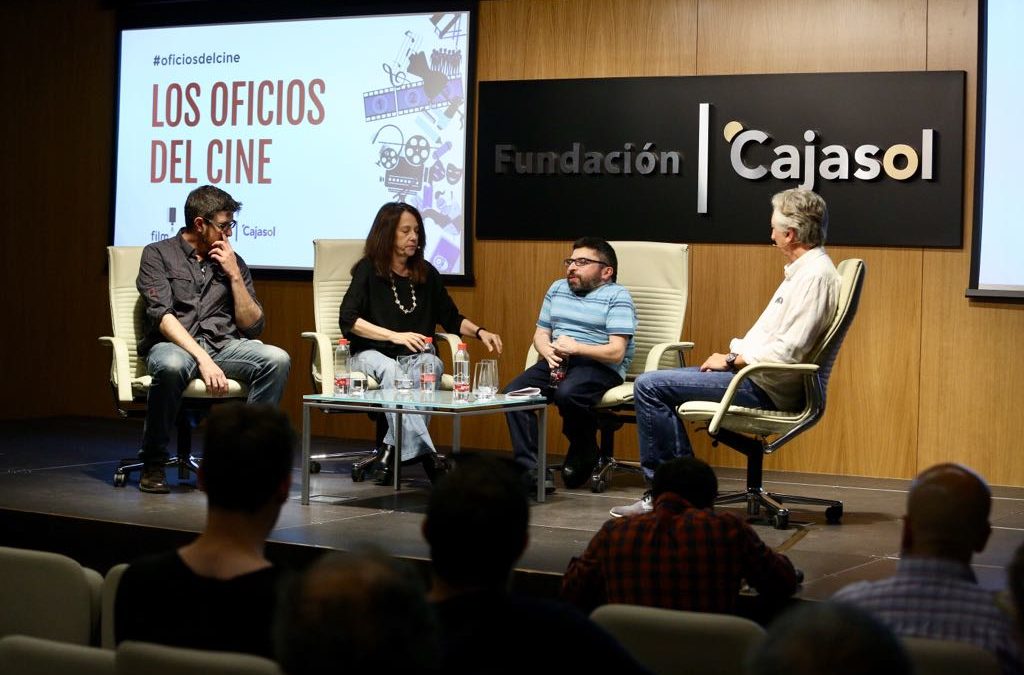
(398,302)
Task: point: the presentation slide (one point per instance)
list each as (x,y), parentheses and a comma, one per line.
(1000,254)
(312,124)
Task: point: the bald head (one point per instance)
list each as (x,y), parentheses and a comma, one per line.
(947,513)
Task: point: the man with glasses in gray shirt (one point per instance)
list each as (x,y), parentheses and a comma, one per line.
(202,321)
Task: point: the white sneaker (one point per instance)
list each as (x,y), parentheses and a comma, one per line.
(644,505)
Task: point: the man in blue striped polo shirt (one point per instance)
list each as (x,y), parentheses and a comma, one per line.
(585,340)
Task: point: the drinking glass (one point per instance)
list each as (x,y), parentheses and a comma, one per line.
(485,379)
(403,374)
(357,384)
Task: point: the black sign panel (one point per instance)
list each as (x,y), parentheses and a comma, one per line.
(697,159)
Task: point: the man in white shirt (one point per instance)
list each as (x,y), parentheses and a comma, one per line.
(799,311)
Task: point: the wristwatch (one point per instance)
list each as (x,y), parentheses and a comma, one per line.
(730,360)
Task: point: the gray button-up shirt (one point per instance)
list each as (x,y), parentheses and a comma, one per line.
(173,280)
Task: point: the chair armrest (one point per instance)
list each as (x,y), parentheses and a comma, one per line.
(325,355)
(730,392)
(453,343)
(122,379)
(658,350)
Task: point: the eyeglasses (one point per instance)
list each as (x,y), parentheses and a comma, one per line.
(222,227)
(582,262)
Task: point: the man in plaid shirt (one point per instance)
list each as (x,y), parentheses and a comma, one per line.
(681,555)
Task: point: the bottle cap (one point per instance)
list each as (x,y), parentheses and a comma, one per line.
(462,346)
(342,341)
(430,340)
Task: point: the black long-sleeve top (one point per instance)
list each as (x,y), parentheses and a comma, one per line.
(370,298)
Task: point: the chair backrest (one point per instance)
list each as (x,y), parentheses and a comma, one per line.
(24,655)
(673,641)
(945,657)
(824,353)
(332,275)
(108,602)
(657,276)
(48,595)
(127,310)
(143,658)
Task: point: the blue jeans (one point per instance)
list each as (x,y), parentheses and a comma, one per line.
(657,394)
(264,368)
(415,435)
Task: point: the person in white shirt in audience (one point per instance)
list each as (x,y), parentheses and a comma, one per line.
(798,313)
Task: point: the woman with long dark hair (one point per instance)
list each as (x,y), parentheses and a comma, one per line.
(393,305)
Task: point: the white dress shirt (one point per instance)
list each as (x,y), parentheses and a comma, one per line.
(800,310)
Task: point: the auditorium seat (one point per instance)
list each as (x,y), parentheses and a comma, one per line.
(671,641)
(946,657)
(48,595)
(24,655)
(143,658)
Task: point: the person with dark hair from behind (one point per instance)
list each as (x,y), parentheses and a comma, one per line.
(934,593)
(359,612)
(477,528)
(391,308)
(682,555)
(222,589)
(828,638)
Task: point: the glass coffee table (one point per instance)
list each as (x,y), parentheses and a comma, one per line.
(439,403)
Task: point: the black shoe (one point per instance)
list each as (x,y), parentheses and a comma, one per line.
(385,466)
(154,480)
(435,466)
(578,467)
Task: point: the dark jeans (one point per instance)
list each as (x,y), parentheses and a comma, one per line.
(586,381)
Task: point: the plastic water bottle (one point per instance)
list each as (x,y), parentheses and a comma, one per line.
(461,374)
(341,368)
(428,380)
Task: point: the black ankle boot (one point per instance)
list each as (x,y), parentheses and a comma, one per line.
(435,466)
(387,471)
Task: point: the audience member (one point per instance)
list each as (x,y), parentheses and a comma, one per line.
(934,593)
(357,612)
(681,555)
(818,638)
(477,528)
(223,588)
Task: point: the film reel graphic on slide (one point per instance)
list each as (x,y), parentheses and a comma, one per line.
(407,99)
(417,150)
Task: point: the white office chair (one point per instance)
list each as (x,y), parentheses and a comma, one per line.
(48,595)
(333,260)
(657,277)
(756,432)
(129,380)
(24,655)
(670,641)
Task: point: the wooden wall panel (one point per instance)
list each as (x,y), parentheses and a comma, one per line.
(968,362)
(810,36)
